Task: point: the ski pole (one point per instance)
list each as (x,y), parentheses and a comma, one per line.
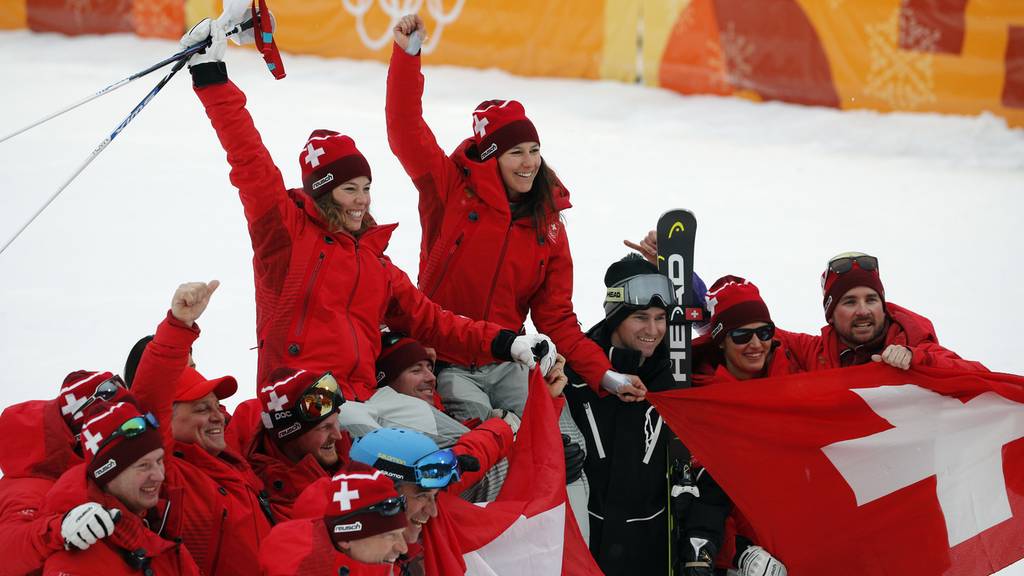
(106,142)
(184,54)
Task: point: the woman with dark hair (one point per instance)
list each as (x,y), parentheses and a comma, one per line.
(323,283)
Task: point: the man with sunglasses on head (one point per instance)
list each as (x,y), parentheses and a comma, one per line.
(124,474)
(224,513)
(41,443)
(864,327)
(352,524)
(425,475)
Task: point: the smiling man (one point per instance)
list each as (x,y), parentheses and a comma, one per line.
(864,327)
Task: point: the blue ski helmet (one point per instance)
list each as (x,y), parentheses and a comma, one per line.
(407,456)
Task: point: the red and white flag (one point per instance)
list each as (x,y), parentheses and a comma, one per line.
(868,470)
(529,529)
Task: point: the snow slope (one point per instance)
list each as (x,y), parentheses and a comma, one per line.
(777,190)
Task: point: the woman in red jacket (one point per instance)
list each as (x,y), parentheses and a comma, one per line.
(493,244)
(323,283)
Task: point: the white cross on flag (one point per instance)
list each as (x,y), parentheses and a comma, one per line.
(868,470)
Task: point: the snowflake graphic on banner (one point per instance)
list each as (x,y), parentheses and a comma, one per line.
(904,79)
(737,50)
(716,64)
(395,9)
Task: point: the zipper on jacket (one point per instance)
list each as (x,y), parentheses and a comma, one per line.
(220,544)
(497,272)
(309,294)
(348,316)
(593,429)
(444,266)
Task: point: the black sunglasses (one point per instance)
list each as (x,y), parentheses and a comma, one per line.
(105,391)
(743,335)
(386,508)
(845,264)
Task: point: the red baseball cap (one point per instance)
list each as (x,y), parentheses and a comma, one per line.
(193,386)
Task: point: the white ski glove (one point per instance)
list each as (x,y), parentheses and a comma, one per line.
(624,386)
(531,348)
(85,524)
(206,28)
(509,417)
(756,561)
(896,356)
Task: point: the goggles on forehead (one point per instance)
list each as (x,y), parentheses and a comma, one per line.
(641,291)
(385,508)
(320,399)
(437,469)
(131,428)
(843,264)
(105,391)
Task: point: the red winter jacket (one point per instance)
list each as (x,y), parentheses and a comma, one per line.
(303,548)
(38,447)
(321,297)
(164,555)
(905,329)
(222,521)
(284,480)
(473,259)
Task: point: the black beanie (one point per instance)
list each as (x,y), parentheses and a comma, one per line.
(631,265)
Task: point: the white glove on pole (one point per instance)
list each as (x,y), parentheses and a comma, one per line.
(87,523)
(756,561)
(206,28)
(526,347)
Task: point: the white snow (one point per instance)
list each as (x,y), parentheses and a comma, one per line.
(777,190)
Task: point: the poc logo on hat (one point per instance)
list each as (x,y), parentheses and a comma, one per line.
(343,528)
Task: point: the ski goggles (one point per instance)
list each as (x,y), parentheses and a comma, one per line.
(131,428)
(320,399)
(844,263)
(105,391)
(437,469)
(744,335)
(641,291)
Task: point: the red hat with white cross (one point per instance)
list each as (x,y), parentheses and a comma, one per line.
(732,302)
(279,399)
(76,390)
(346,502)
(499,125)
(108,453)
(328,160)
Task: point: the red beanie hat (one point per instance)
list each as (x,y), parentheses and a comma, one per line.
(76,390)
(396,357)
(349,494)
(499,125)
(279,399)
(330,159)
(834,286)
(732,302)
(105,458)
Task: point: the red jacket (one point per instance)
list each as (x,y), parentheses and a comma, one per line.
(303,548)
(222,521)
(38,447)
(321,297)
(474,259)
(284,480)
(108,556)
(905,329)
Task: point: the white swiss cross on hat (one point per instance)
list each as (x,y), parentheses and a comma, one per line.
(344,497)
(313,155)
(480,126)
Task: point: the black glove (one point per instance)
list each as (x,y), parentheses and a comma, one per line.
(468,463)
(574,457)
(698,557)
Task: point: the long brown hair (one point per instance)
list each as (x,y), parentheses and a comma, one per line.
(539,202)
(331,213)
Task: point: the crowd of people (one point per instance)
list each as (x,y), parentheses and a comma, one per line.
(377,399)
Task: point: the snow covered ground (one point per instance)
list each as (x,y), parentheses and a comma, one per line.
(777,190)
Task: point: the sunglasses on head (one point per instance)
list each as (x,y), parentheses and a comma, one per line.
(437,469)
(386,508)
(743,335)
(844,264)
(131,428)
(320,399)
(105,391)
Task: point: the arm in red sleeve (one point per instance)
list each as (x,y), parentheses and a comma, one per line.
(552,313)
(488,443)
(27,536)
(160,368)
(932,354)
(411,312)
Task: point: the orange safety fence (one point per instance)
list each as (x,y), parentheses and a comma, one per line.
(951,56)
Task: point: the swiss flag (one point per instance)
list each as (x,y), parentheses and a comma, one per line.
(529,529)
(868,470)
